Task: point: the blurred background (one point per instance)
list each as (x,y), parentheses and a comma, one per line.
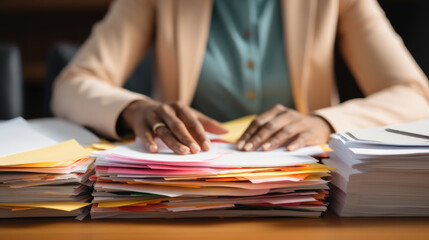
(35,34)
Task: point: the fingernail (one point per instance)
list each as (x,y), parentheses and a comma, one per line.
(183,149)
(194,148)
(153,148)
(240,144)
(206,145)
(266,146)
(248,146)
(292,147)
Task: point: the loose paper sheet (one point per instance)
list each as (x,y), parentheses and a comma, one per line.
(63,206)
(64,151)
(62,130)
(236,128)
(17,136)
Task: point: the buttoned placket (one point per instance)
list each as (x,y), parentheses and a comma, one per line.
(251,59)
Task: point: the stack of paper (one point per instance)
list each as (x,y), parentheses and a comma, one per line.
(132,183)
(381,171)
(39,176)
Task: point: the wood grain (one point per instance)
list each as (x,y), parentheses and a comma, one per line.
(327,227)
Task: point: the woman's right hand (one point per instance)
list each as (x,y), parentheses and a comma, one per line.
(179,126)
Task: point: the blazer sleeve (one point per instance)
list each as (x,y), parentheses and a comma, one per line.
(395,88)
(89,90)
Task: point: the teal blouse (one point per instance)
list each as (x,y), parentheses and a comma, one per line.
(244,69)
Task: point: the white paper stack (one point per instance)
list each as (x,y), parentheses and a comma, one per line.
(40,177)
(381,171)
(131,183)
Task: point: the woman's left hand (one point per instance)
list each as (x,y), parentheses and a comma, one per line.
(281,125)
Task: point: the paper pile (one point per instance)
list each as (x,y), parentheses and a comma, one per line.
(381,171)
(40,177)
(131,183)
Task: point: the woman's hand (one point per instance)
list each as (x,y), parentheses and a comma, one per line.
(281,125)
(180,127)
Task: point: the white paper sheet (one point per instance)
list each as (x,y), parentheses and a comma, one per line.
(221,155)
(62,130)
(17,136)
(417,128)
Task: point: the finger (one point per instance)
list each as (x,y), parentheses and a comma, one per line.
(143,132)
(166,135)
(177,127)
(193,125)
(287,133)
(258,123)
(210,125)
(171,141)
(301,140)
(269,129)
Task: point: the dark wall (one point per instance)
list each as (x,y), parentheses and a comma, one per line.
(36,25)
(410,20)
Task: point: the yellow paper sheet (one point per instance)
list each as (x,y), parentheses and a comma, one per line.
(103,145)
(63,206)
(307,168)
(61,164)
(317,176)
(106,145)
(236,128)
(276,174)
(64,151)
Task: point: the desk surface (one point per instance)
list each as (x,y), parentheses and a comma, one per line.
(328,227)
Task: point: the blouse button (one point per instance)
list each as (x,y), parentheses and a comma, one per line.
(250,64)
(250,95)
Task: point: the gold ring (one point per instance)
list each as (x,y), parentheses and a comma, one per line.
(157,125)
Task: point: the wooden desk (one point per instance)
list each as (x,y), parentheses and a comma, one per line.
(329,227)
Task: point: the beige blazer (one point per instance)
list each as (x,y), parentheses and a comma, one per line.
(89,90)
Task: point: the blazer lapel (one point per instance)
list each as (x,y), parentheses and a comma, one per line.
(298,28)
(193,24)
